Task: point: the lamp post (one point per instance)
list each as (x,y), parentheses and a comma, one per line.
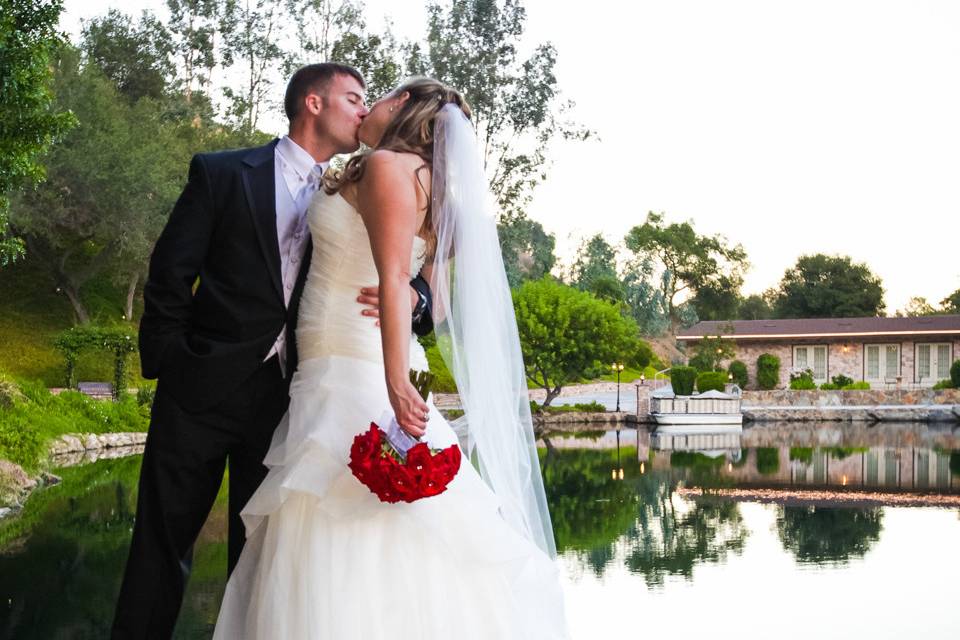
(618,367)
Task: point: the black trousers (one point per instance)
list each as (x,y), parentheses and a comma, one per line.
(181,473)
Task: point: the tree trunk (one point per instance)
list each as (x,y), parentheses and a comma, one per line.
(551,394)
(73,295)
(131,294)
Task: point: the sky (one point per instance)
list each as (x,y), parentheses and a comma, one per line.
(790,127)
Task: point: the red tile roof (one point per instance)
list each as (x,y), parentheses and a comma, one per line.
(823,327)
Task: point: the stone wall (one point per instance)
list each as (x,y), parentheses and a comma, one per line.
(790,398)
(843,357)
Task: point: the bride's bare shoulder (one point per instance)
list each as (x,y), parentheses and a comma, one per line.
(391,170)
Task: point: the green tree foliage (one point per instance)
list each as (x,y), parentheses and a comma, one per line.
(951,304)
(250,34)
(643,299)
(565,333)
(712,350)
(719,298)
(755,307)
(768,371)
(526,248)
(738,369)
(136,57)
(595,258)
(917,306)
(822,286)
(474,45)
(193,29)
(682,379)
(689,261)
(955,374)
(819,535)
(92,218)
(29,120)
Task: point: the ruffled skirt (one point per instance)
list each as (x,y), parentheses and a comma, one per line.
(325,559)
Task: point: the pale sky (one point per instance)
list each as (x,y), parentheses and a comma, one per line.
(791,127)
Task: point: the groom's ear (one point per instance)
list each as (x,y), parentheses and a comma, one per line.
(313,103)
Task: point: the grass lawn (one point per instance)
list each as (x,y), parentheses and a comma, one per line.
(32,313)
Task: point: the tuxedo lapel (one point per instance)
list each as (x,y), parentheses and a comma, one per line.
(259,184)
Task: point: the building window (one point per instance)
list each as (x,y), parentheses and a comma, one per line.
(813,357)
(882,362)
(933,362)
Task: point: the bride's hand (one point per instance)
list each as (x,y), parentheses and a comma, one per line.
(411,411)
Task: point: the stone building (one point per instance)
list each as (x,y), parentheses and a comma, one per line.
(886,352)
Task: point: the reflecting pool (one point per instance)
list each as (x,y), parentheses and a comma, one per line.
(784,531)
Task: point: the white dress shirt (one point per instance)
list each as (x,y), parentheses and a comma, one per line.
(297,179)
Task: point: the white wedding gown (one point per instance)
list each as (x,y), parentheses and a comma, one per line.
(324,558)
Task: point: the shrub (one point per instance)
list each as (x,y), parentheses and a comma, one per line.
(802,381)
(768,460)
(711,380)
(841,381)
(738,369)
(857,386)
(682,380)
(943,384)
(828,386)
(768,371)
(145,394)
(955,373)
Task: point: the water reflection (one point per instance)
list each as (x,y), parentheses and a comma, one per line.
(617,504)
(828,534)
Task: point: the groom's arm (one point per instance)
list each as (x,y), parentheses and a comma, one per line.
(422,312)
(421,301)
(174,267)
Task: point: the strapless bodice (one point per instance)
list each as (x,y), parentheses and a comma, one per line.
(330,322)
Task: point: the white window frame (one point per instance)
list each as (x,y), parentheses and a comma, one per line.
(809,351)
(883,376)
(933,376)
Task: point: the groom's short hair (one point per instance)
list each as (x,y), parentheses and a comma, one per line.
(314,78)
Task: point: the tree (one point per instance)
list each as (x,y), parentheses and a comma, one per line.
(643,300)
(193,31)
(250,31)
(596,258)
(517,110)
(527,249)
(822,286)
(92,218)
(690,261)
(564,333)
(755,307)
(713,350)
(951,304)
(719,298)
(29,121)
(915,307)
(328,30)
(135,57)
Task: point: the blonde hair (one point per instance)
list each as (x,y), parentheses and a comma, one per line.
(410,131)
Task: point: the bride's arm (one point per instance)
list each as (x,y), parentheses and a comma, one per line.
(387,200)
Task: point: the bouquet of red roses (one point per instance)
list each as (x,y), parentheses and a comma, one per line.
(394,472)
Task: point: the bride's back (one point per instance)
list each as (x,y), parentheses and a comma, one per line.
(342,263)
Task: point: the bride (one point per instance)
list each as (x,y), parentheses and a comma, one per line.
(324,557)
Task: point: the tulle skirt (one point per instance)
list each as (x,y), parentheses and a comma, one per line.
(325,558)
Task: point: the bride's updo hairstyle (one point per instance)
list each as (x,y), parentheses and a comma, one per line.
(410,131)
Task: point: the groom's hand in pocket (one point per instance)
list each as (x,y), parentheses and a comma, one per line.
(370,298)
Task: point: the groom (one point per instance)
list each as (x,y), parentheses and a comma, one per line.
(220,311)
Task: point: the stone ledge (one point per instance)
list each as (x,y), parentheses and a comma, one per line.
(74,443)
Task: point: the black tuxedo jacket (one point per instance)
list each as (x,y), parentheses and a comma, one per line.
(213,300)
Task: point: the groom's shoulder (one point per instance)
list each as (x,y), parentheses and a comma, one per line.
(228,159)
